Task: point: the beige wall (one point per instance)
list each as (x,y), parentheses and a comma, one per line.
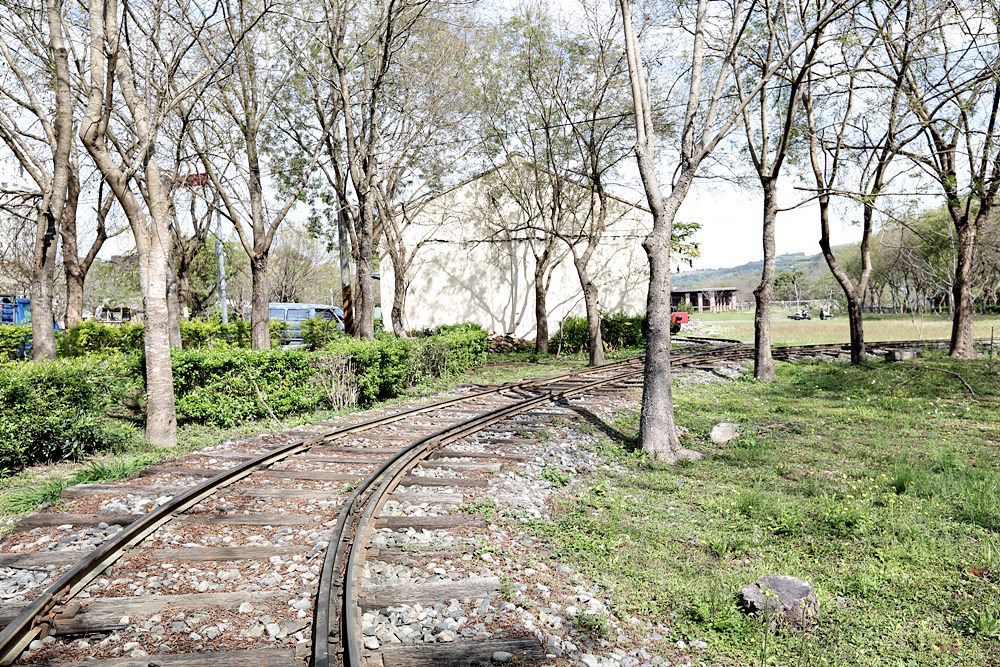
(469,268)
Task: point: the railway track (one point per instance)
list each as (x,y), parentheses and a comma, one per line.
(289,530)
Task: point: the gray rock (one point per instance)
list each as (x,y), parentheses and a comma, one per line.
(901,354)
(784,600)
(724,432)
(501,657)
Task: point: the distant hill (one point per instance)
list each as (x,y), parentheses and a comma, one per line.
(746,276)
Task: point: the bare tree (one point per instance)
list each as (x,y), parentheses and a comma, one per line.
(777,37)
(955,96)
(133,85)
(706,119)
(247,99)
(855,126)
(39,132)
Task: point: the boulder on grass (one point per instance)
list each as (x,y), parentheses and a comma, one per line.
(784,601)
(724,432)
(901,354)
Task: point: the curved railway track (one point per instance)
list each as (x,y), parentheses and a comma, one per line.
(340,480)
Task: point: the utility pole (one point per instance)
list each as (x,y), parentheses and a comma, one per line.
(220,258)
(347,304)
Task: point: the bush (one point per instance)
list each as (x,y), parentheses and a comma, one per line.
(618,331)
(319,332)
(202,333)
(225,386)
(13,340)
(89,337)
(54,410)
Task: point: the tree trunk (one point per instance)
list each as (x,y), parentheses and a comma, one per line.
(399,300)
(43,337)
(541,311)
(173,307)
(74,295)
(365,298)
(962,341)
(161,418)
(856,322)
(260,323)
(763,366)
(74,268)
(595,343)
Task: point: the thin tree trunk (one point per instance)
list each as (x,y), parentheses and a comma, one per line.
(856,322)
(763,368)
(74,268)
(365,298)
(260,324)
(43,337)
(595,343)
(399,300)
(74,297)
(962,341)
(173,307)
(541,310)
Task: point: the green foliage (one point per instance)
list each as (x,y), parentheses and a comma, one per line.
(58,409)
(225,386)
(89,337)
(618,331)
(319,332)
(556,477)
(12,341)
(202,333)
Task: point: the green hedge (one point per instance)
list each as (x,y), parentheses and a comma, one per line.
(58,409)
(12,341)
(618,331)
(90,337)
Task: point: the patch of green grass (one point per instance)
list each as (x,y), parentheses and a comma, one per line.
(879,484)
(484,507)
(556,477)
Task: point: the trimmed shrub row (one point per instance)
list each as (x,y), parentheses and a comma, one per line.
(619,331)
(67,407)
(91,337)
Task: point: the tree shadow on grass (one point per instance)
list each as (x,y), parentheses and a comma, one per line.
(628,442)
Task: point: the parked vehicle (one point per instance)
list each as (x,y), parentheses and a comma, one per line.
(800,315)
(15,310)
(294,314)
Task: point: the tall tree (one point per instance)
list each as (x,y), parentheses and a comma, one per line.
(238,133)
(39,84)
(704,122)
(777,30)
(955,96)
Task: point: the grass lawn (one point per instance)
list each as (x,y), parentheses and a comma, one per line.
(784,331)
(880,485)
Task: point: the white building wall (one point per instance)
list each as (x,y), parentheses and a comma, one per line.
(469,269)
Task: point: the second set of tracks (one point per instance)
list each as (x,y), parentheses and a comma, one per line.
(297,519)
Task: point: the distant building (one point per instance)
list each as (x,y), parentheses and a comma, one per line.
(710,299)
(474,260)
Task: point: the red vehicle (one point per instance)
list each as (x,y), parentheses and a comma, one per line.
(676,320)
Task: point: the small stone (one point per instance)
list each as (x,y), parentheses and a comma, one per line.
(786,600)
(273,629)
(501,657)
(724,432)
(371,643)
(246,608)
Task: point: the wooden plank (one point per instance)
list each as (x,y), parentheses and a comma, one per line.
(321,475)
(205,554)
(430,498)
(9,611)
(41,560)
(463,653)
(458,465)
(377,597)
(105,614)
(444,481)
(374,451)
(236,519)
(415,555)
(46,519)
(453,453)
(430,522)
(84,490)
(265,657)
